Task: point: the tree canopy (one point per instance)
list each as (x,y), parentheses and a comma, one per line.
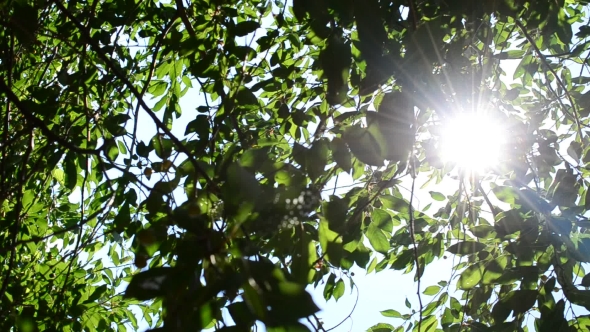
(240,209)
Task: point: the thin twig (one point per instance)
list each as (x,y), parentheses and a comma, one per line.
(413,15)
(320,325)
(464,310)
(486,198)
(351,311)
(335,185)
(148,80)
(414,245)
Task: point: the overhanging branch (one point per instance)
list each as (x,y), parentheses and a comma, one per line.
(559,81)
(119,74)
(38,123)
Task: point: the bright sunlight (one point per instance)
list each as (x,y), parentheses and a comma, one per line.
(473,141)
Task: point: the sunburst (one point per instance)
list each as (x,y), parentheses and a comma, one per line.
(472,140)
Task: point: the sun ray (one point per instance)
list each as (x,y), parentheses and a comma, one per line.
(472,140)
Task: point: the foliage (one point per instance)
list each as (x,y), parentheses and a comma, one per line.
(236,212)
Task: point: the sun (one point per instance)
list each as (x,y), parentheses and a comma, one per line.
(473,141)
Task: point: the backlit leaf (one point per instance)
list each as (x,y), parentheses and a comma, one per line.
(431,290)
(466,248)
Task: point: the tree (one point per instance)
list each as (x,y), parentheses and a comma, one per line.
(235,211)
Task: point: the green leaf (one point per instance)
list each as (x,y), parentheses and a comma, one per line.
(158,88)
(395,203)
(71,171)
(506,194)
(162,146)
(381,327)
(383,220)
(200,126)
(241,314)
(391,313)
(372,265)
(500,312)
(431,290)
(564,28)
(244,28)
(341,154)
(245,97)
(437,196)
(483,231)
(330,242)
(447,318)
(335,211)
(58,175)
(512,54)
(289,292)
(330,286)
(522,300)
(301,265)
(254,301)
(97,293)
(317,158)
(494,270)
(339,289)
(241,186)
(152,283)
(466,248)
(509,222)
(471,276)
(428,325)
(364,145)
(335,61)
(377,239)
(112,150)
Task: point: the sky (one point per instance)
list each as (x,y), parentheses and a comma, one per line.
(376,292)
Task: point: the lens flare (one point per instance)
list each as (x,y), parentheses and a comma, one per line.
(473,141)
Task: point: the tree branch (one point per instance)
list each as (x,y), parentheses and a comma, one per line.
(415,245)
(351,311)
(38,123)
(149,79)
(119,74)
(18,215)
(187,24)
(559,81)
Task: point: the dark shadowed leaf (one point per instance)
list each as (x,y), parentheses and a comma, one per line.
(244,28)
(466,248)
(151,283)
(364,145)
(341,154)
